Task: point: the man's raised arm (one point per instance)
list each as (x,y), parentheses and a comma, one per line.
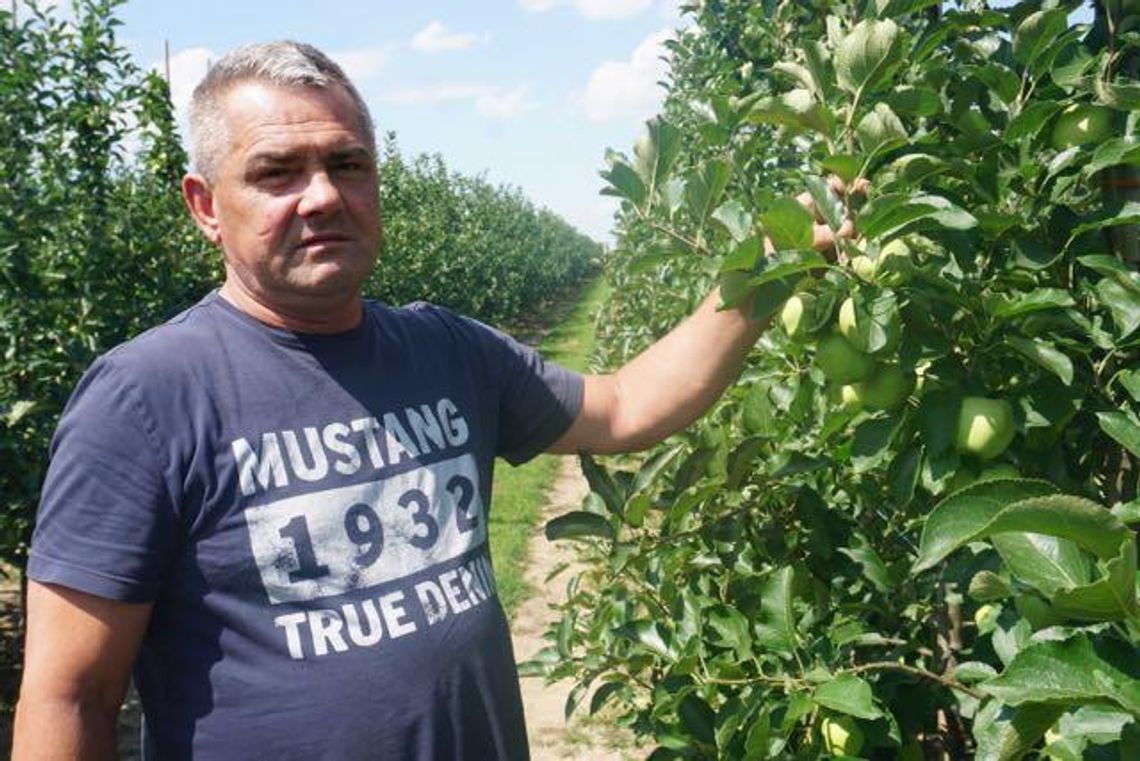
(670,384)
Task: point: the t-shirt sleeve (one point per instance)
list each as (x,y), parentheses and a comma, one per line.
(538,399)
(106,523)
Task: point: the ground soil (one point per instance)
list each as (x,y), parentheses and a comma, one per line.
(551,736)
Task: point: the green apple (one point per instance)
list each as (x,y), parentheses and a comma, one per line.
(841,362)
(986,616)
(863,267)
(887,388)
(885,270)
(985,427)
(841,735)
(849,328)
(796,315)
(1080,124)
(851,395)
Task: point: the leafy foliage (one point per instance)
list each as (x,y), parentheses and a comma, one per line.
(803,555)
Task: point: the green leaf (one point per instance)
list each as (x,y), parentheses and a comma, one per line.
(1045,562)
(1113,152)
(1111,598)
(601,483)
(1130,379)
(795,108)
(1122,302)
(603,694)
(829,204)
(1030,120)
(623,181)
(744,256)
(1099,723)
(1026,302)
(579,524)
(1120,95)
(969,672)
(987,586)
(788,225)
(1007,734)
(18,411)
(653,467)
(1046,355)
(1128,214)
(784,264)
(756,412)
(650,635)
(849,694)
(992,507)
(697,718)
(963,515)
(1036,33)
(871,446)
(914,101)
(1128,512)
(704,188)
(1123,428)
(891,215)
(874,569)
(843,166)
(655,152)
(869,55)
(735,219)
(880,127)
(775,625)
(999,79)
(1065,673)
(731,628)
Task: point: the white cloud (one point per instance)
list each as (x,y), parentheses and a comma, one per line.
(594,10)
(504,106)
(435,38)
(187,68)
(490,101)
(627,89)
(363,63)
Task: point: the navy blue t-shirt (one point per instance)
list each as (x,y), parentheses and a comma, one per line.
(308,514)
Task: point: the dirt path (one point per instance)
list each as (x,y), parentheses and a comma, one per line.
(550,736)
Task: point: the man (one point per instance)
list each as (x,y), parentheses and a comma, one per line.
(274,506)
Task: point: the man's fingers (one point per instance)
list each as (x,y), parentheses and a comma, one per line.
(808,203)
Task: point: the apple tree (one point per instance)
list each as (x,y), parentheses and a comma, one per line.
(907,530)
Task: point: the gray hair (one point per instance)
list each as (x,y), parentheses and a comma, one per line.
(284,63)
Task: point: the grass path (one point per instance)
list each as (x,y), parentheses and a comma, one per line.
(520,493)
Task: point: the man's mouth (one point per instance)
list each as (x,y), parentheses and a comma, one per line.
(322,238)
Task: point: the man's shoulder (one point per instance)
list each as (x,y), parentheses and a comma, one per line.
(186,334)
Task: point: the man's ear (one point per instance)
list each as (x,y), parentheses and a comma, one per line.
(199,198)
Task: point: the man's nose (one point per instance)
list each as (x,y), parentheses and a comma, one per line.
(319,195)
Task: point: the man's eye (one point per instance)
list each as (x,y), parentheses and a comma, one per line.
(271,174)
(351,165)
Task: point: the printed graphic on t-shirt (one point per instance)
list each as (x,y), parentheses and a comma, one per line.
(419,531)
(334,541)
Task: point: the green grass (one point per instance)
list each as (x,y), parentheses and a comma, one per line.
(519,493)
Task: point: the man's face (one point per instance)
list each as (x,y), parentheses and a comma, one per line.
(296,197)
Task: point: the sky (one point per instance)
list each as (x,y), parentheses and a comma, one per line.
(526,93)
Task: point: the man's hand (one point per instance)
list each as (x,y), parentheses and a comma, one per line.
(670,384)
(824,237)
